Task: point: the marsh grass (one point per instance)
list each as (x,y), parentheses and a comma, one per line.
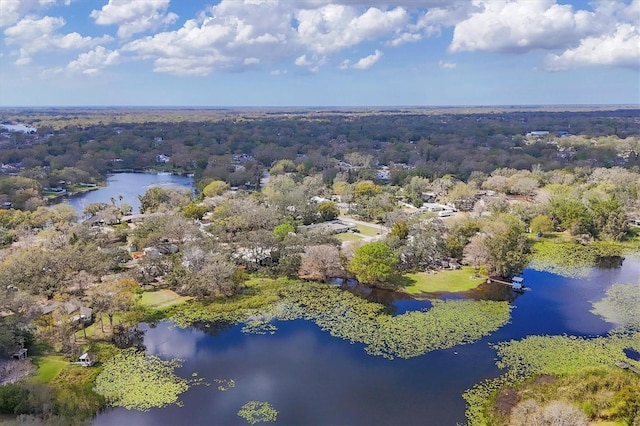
(572,360)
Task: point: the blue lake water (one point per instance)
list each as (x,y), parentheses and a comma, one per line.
(311,377)
(128,186)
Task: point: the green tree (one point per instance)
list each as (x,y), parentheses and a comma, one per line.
(507,247)
(375,264)
(609,218)
(162,199)
(214,188)
(399,231)
(114,297)
(281,231)
(365,189)
(571,215)
(541,224)
(194,211)
(328,210)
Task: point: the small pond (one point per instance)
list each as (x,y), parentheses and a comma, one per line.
(128,186)
(311,377)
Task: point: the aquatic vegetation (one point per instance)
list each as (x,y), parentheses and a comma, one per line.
(571,259)
(135,381)
(344,315)
(620,305)
(349,317)
(258,411)
(225,384)
(258,294)
(259,327)
(558,356)
(562,355)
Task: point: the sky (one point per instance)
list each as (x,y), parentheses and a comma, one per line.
(283,53)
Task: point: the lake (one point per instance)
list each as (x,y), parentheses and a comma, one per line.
(311,377)
(129,186)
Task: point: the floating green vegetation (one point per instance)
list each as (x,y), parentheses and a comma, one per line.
(344,315)
(259,326)
(620,305)
(258,294)
(562,355)
(225,384)
(571,259)
(135,381)
(557,356)
(258,411)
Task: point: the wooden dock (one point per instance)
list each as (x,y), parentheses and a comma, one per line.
(519,287)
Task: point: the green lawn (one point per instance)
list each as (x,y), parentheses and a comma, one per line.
(162,298)
(48,368)
(348,236)
(443,281)
(368,231)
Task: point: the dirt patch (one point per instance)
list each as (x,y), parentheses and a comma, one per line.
(12,370)
(507,399)
(544,380)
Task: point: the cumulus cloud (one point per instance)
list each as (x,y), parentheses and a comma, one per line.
(334,27)
(518,26)
(11,11)
(33,35)
(92,62)
(364,63)
(621,48)
(133,17)
(221,39)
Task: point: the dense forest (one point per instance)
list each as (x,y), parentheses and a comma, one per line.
(287,201)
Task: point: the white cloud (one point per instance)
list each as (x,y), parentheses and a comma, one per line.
(622,48)
(403,39)
(302,61)
(133,17)
(447,65)
(363,63)
(92,62)
(221,38)
(34,35)
(11,11)
(334,27)
(517,26)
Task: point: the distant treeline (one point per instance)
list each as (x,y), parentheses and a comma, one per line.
(237,146)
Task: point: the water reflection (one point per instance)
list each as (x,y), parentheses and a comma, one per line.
(128,186)
(311,377)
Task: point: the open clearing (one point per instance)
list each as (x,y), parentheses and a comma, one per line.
(162,298)
(443,281)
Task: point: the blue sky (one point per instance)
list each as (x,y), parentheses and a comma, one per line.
(318,52)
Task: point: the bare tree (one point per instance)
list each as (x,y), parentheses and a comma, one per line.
(320,263)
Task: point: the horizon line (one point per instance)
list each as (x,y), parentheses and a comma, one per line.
(586,105)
